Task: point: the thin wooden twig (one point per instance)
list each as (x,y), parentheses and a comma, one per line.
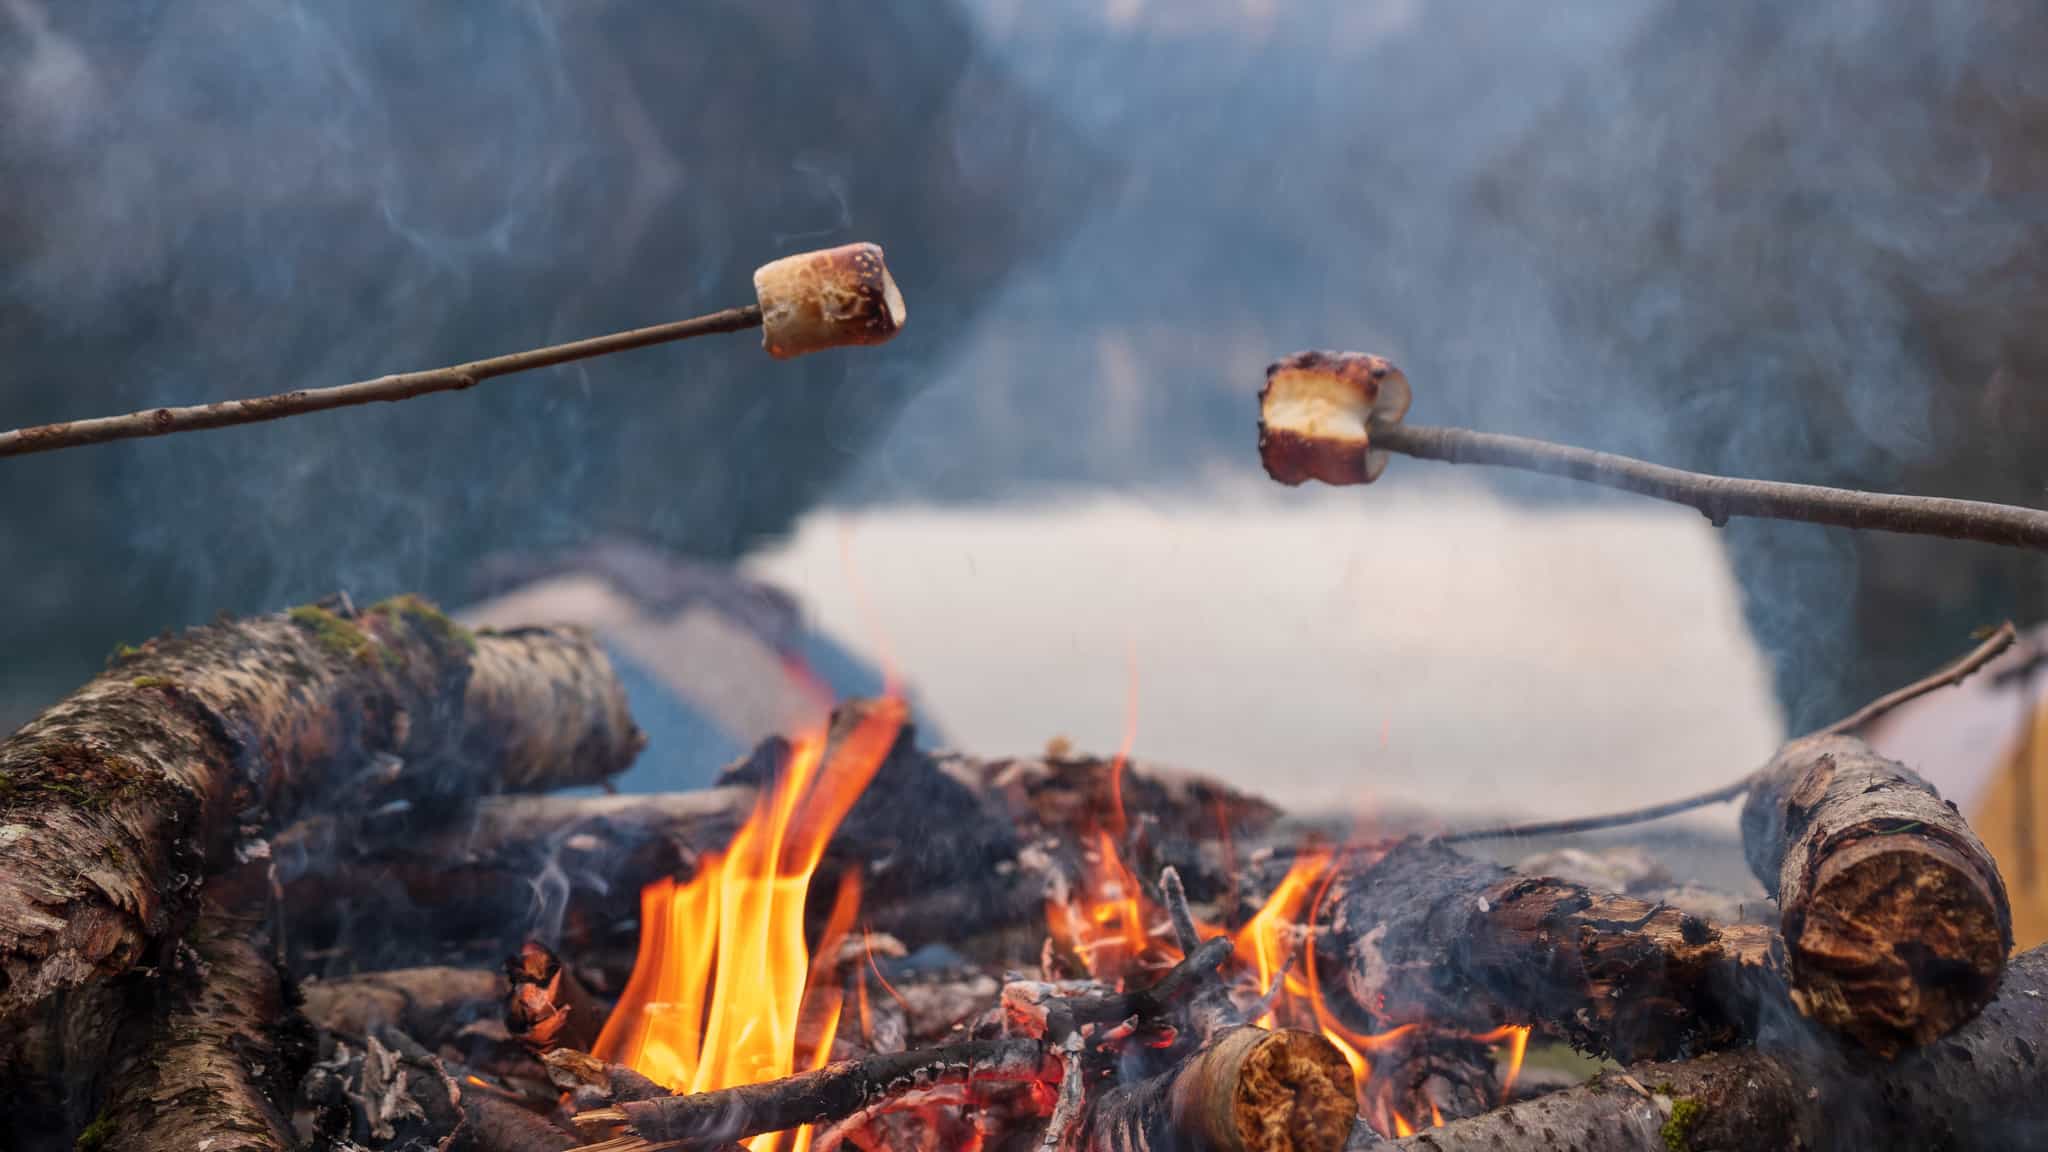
(1721,498)
(403,386)
(1997,642)
(831,1093)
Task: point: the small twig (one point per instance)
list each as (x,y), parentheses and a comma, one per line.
(1175,896)
(1721,498)
(1073,1100)
(404,386)
(2000,639)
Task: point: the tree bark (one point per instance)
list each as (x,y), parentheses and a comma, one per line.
(116,803)
(428,1004)
(1247,1090)
(1894,917)
(1424,935)
(1978,1089)
(219,1068)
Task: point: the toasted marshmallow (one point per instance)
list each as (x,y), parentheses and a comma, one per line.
(1316,414)
(827,299)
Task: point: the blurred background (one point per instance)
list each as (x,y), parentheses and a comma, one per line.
(1802,242)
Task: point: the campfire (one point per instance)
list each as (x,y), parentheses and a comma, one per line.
(337,879)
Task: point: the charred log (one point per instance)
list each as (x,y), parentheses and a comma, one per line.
(1248,1090)
(1977,1089)
(1425,935)
(219,1067)
(1894,916)
(937,841)
(834,1092)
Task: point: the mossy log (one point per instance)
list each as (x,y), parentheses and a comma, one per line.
(1894,917)
(118,803)
(217,1066)
(1978,1090)
(1424,935)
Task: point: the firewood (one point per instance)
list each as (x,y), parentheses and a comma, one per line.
(1247,1090)
(218,1068)
(430,1003)
(1425,935)
(1894,917)
(118,801)
(1978,1090)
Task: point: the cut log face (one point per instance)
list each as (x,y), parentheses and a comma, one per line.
(1425,935)
(1894,916)
(1248,1090)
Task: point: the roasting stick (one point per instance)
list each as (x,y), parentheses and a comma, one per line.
(804,303)
(1335,416)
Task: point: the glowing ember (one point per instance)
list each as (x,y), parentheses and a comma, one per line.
(723,982)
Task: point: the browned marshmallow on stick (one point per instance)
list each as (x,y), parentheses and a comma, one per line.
(1316,412)
(827,299)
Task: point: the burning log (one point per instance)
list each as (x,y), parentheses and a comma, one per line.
(804,303)
(219,1068)
(118,800)
(1979,1089)
(1894,917)
(1425,935)
(938,841)
(1333,417)
(1247,1090)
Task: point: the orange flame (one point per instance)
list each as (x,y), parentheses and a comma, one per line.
(723,978)
(1516,1037)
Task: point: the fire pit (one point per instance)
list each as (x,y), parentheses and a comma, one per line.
(855,942)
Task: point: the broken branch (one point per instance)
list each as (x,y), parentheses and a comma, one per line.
(833,1092)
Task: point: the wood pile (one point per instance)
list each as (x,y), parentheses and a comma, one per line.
(312,882)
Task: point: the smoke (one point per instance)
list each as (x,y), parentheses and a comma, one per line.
(234,197)
(1768,241)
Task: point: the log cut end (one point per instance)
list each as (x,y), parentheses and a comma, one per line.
(1895,919)
(1255,1091)
(1901,943)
